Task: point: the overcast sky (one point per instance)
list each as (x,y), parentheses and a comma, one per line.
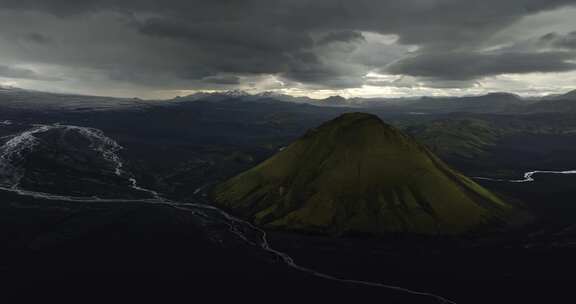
(164,48)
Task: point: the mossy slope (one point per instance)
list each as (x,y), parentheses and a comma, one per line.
(357,174)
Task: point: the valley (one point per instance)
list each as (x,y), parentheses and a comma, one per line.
(103,186)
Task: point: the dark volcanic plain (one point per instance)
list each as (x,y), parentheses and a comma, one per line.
(181,149)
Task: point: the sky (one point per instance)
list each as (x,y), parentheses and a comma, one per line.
(316,48)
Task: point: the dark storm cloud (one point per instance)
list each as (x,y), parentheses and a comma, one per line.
(566,41)
(22,73)
(183,44)
(467,66)
(323,75)
(342,36)
(249,36)
(37,38)
(222,79)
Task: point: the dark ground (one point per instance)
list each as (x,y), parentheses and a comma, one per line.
(136,252)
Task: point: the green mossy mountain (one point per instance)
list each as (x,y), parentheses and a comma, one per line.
(356,174)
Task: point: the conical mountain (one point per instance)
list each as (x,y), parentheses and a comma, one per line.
(356,174)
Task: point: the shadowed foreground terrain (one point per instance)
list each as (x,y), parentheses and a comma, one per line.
(126,213)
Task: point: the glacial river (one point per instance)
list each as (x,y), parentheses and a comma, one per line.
(529,176)
(15,148)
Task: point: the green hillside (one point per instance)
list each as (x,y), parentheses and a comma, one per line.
(356,174)
(464,138)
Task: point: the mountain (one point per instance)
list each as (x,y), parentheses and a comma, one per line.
(239,95)
(270,96)
(566,96)
(214,96)
(334,101)
(562,103)
(16,98)
(489,103)
(457,137)
(356,174)
(569,95)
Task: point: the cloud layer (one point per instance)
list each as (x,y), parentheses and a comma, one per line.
(135,45)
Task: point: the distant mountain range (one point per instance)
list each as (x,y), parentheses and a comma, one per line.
(274,96)
(567,96)
(16,98)
(498,102)
(495,103)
